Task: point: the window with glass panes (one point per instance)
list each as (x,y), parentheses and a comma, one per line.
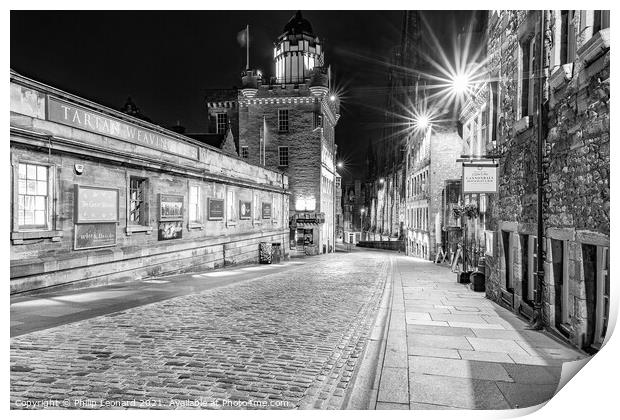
(283,155)
(194,203)
(222,123)
(282,120)
(32,196)
(244,152)
(137,204)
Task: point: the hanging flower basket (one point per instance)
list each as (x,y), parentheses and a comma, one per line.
(469,210)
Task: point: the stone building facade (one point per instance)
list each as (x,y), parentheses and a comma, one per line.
(431,160)
(571,76)
(98,196)
(287,123)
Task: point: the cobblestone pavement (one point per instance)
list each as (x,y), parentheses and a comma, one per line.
(287,340)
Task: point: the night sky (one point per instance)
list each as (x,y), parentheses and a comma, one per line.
(165,60)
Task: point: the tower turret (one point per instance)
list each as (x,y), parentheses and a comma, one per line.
(297,52)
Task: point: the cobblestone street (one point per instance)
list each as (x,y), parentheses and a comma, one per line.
(290,339)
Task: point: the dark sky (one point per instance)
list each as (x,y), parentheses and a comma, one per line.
(165,60)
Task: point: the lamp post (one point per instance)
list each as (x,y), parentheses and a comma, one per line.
(339,165)
(361,223)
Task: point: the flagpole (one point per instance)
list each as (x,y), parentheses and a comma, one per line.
(247,45)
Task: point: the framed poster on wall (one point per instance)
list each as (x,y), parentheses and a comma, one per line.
(170,207)
(266,210)
(96,204)
(170,230)
(215,209)
(245,210)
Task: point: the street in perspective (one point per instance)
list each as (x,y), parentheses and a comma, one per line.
(324,210)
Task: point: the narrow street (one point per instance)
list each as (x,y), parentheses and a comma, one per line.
(296,335)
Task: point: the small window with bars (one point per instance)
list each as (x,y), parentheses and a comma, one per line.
(283,120)
(318,119)
(33,189)
(283,155)
(244,152)
(221,123)
(137,201)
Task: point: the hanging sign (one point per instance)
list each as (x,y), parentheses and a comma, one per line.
(480,178)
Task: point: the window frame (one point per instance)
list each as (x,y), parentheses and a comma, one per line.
(48,206)
(602,316)
(231,209)
(219,124)
(133,227)
(197,222)
(280,155)
(245,154)
(283,120)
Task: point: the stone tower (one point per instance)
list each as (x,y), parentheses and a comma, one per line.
(287,122)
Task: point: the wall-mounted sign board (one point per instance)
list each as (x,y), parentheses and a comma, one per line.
(96,204)
(215,209)
(94,235)
(266,210)
(83,118)
(170,207)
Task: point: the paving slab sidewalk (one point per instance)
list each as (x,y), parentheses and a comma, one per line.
(449,347)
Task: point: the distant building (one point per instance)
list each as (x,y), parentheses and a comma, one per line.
(431,155)
(339,214)
(287,123)
(355,212)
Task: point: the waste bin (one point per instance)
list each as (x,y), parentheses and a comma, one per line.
(264,253)
(276,252)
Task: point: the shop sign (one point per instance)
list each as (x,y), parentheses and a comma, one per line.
(77,116)
(94,235)
(170,207)
(96,204)
(245,210)
(170,230)
(479,178)
(266,210)
(215,208)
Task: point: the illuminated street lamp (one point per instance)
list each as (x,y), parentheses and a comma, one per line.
(381,181)
(332,97)
(422,122)
(340,165)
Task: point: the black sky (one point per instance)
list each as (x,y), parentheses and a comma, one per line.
(165,60)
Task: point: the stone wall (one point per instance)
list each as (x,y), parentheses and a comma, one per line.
(48,257)
(576,200)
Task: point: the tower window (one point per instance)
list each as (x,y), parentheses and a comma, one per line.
(222,123)
(283,120)
(244,152)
